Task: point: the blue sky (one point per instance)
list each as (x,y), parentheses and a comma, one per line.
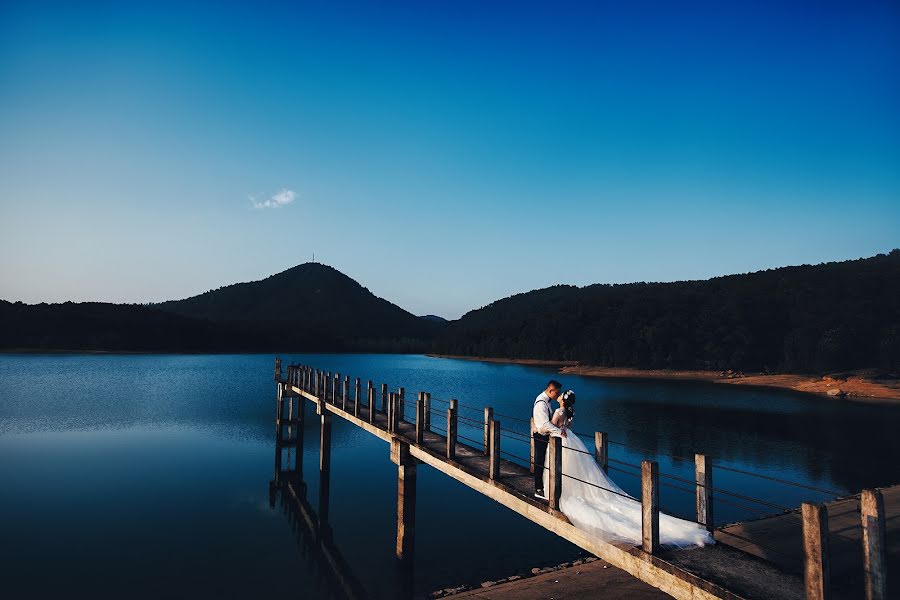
(443,154)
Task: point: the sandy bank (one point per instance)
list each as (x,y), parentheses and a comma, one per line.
(861,385)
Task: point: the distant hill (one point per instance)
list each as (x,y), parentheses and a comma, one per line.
(434,318)
(311,306)
(833,316)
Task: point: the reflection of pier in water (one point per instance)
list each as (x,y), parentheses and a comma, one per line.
(312,531)
(719,571)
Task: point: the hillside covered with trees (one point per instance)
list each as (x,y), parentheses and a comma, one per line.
(805,319)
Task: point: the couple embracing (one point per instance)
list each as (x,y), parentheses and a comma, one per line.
(590,499)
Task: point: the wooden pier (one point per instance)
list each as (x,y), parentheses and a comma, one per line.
(721,570)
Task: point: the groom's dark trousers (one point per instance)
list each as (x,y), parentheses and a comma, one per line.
(540,451)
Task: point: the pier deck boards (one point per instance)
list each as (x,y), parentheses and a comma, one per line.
(778,539)
(717,571)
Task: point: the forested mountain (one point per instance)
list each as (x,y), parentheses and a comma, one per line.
(818,318)
(313,306)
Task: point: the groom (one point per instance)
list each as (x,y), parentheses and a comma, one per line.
(543,428)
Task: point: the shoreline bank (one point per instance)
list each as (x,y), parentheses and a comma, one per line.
(859,385)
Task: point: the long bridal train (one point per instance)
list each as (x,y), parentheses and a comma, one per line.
(606,514)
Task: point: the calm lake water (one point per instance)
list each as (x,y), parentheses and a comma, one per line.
(149,475)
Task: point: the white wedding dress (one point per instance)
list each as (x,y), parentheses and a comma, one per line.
(606,514)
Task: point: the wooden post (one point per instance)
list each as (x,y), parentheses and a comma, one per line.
(406,497)
(301,421)
(356,398)
(703,478)
(488,417)
(384,395)
(279,408)
(335,388)
(871,509)
(494,451)
(387,412)
(346,392)
(531,442)
(324,465)
(816,571)
(555,475)
(371,404)
(394,400)
(420,418)
(601,450)
(277,369)
(451,429)
(401,404)
(650,506)
(427,399)
(316,379)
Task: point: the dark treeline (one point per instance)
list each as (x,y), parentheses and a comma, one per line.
(95,326)
(829,317)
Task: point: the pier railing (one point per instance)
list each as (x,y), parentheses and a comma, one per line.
(432,436)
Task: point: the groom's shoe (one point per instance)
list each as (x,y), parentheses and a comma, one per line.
(540,494)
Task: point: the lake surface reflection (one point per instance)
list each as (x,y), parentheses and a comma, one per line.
(148,475)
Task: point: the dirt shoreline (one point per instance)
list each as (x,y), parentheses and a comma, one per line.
(863,385)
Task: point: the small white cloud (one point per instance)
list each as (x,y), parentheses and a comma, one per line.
(282,198)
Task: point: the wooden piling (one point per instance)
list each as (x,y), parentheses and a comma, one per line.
(427,399)
(488,417)
(325,441)
(356,398)
(650,506)
(324,465)
(279,408)
(555,475)
(703,478)
(277,369)
(406,496)
(384,395)
(401,404)
(531,443)
(298,441)
(371,404)
(420,418)
(336,388)
(601,450)
(874,529)
(451,429)
(345,394)
(494,450)
(816,571)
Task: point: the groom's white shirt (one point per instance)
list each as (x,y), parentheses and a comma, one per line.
(541,414)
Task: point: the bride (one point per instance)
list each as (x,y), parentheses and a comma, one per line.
(605,513)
